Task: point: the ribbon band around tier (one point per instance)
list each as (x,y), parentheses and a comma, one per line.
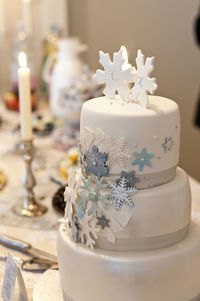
(149,180)
(143,244)
(67,298)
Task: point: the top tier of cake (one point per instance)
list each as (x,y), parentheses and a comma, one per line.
(132,138)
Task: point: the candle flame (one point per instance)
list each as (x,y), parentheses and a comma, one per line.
(124,53)
(125,57)
(22,59)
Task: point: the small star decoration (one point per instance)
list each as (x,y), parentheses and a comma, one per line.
(103,222)
(168,143)
(96,162)
(143,159)
(116,74)
(144,83)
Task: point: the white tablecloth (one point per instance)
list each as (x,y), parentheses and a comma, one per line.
(41,232)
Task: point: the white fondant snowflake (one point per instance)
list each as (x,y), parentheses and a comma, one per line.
(116,74)
(121,194)
(117,152)
(88,231)
(71,192)
(74,227)
(143,83)
(89,138)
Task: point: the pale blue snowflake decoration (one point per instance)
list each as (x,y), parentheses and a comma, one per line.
(93,195)
(80,211)
(96,162)
(130,178)
(143,159)
(121,193)
(168,143)
(103,222)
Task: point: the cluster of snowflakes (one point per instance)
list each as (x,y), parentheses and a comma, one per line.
(101,160)
(90,198)
(118,74)
(91,201)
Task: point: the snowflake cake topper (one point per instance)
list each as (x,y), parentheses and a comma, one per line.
(143,83)
(116,75)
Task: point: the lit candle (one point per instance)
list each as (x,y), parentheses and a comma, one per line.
(24,98)
(26,12)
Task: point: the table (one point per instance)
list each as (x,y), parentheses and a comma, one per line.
(44,235)
(13,165)
(42,231)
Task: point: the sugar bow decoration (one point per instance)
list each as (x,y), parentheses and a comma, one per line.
(143,83)
(116,75)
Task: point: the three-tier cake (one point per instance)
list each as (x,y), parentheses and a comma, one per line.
(126,233)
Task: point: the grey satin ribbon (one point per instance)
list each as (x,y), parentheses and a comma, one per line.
(149,180)
(142,244)
(67,298)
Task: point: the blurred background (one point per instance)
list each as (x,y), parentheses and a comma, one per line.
(164,29)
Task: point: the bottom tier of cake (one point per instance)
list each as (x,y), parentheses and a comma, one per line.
(171,273)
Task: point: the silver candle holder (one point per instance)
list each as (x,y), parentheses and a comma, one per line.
(28,205)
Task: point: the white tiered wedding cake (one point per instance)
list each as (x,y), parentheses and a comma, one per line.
(126,233)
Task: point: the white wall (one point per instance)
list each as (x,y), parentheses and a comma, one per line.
(163,28)
(43,14)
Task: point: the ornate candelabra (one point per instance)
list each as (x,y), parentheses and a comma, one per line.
(28,206)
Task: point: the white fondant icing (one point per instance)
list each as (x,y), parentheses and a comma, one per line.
(165,274)
(138,126)
(158,211)
(160,216)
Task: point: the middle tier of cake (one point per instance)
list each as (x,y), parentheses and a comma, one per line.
(159,217)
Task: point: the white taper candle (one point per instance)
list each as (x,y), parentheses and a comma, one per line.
(2,19)
(27,17)
(24,98)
